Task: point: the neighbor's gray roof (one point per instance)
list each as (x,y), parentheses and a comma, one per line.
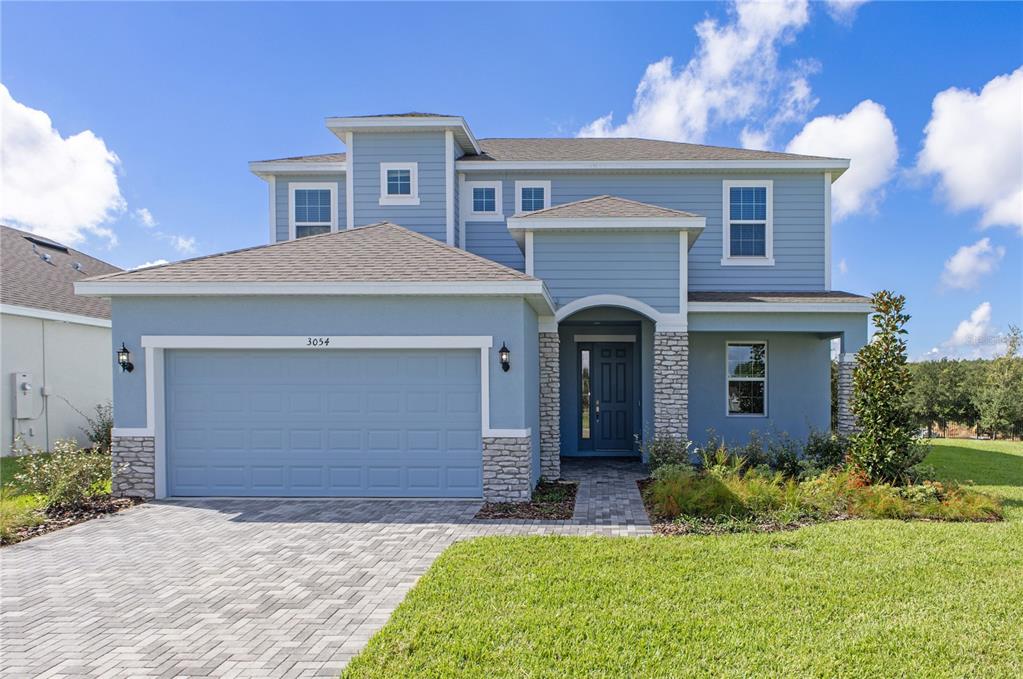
(823,297)
(408,114)
(381,252)
(318,158)
(606,206)
(28,280)
(595,149)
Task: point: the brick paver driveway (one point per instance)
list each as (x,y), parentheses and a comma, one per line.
(277,588)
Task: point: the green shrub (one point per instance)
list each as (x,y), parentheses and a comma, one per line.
(665,450)
(783,455)
(666,471)
(100,427)
(691,494)
(825,450)
(68,478)
(753,451)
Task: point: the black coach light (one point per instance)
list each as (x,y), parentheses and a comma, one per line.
(124,359)
(505,357)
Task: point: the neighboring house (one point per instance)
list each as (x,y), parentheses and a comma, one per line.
(641,288)
(54,346)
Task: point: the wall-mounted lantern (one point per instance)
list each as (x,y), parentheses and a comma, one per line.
(124,359)
(505,357)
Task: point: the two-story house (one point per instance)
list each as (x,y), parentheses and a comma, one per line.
(446,316)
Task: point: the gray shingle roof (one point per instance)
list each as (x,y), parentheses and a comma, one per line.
(606,206)
(823,297)
(381,252)
(409,114)
(318,158)
(616,149)
(27,280)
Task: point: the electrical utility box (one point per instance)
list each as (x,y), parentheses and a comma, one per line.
(24,396)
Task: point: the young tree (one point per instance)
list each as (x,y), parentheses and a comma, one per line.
(884,447)
(925,397)
(1000,399)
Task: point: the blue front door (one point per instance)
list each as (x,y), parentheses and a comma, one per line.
(611,401)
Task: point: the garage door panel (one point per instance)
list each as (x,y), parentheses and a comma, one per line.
(338,422)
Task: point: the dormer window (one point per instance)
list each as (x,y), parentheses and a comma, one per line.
(312,209)
(532,196)
(399,183)
(483,201)
(747,221)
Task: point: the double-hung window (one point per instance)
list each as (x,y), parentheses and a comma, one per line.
(312,208)
(399,183)
(482,201)
(746,378)
(748,217)
(531,196)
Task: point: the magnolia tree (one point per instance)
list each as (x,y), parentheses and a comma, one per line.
(884,447)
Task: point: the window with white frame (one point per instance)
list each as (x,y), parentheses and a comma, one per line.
(531,196)
(399,183)
(312,208)
(746,378)
(748,223)
(483,201)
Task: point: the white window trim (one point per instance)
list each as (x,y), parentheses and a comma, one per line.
(726,224)
(413,198)
(297,186)
(529,184)
(729,378)
(470,215)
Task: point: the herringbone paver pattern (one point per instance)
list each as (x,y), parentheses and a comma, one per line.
(248,588)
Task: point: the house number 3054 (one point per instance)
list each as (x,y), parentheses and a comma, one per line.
(317,341)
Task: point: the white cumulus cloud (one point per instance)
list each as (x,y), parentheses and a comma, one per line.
(155,262)
(64,188)
(145,217)
(844,11)
(734,75)
(866,136)
(975,337)
(973,143)
(970,263)
(183,244)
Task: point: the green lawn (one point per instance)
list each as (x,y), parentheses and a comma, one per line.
(17,509)
(856,598)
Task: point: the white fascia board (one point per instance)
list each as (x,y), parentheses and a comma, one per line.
(139,288)
(47,315)
(780,307)
(341,125)
(596,223)
(264,168)
(835,166)
(302,342)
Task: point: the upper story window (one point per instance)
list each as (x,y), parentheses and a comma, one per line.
(747,237)
(312,208)
(399,183)
(531,196)
(746,378)
(482,201)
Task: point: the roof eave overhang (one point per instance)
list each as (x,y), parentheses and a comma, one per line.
(519,226)
(463,135)
(836,167)
(780,307)
(264,169)
(534,291)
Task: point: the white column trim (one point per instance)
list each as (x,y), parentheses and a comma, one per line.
(449,185)
(529,253)
(827,230)
(683,276)
(461,212)
(349,182)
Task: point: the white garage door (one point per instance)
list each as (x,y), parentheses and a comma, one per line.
(382,423)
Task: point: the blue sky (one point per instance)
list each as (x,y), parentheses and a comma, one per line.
(186,94)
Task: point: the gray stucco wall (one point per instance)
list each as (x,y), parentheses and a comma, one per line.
(798,386)
(508,320)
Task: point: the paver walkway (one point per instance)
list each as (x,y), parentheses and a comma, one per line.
(248,588)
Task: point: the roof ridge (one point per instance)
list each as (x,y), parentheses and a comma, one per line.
(605,196)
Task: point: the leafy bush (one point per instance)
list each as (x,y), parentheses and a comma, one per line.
(68,478)
(825,450)
(783,455)
(692,494)
(884,447)
(100,427)
(665,450)
(666,471)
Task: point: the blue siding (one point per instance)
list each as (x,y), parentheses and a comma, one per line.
(798,222)
(798,387)
(426,149)
(281,198)
(642,265)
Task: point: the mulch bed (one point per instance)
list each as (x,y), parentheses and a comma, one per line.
(58,519)
(551,501)
(663,525)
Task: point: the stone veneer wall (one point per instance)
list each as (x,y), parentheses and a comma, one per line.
(550,406)
(671,384)
(846,419)
(134,466)
(507,465)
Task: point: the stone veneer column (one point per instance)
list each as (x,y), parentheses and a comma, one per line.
(671,384)
(133,459)
(846,419)
(550,406)
(507,463)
